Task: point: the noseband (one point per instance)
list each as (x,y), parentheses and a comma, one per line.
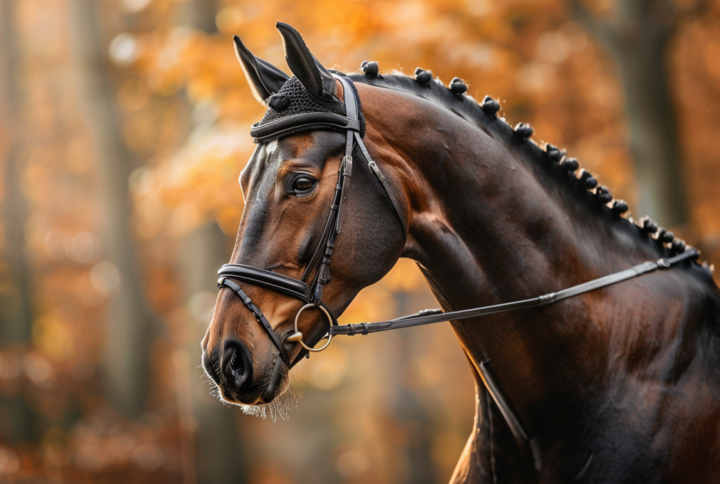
(310,293)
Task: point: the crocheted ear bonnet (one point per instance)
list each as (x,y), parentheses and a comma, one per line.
(293,109)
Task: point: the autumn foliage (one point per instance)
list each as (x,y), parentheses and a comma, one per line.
(180,112)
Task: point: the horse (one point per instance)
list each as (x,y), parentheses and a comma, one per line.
(620,384)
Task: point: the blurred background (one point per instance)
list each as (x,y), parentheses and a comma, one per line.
(123,128)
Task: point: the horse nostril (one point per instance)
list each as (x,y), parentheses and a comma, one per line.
(237,362)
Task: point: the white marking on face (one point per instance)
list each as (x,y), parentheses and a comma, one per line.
(259,153)
(271,147)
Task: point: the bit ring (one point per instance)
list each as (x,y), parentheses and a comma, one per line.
(297,317)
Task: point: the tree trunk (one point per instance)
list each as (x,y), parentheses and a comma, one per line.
(219,453)
(636,36)
(16,311)
(130,323)
(409,409)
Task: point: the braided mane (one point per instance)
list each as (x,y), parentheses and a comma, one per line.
(548,162)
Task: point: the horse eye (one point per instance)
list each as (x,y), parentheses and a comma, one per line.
(303,184)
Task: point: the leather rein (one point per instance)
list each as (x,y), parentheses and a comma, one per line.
(311,293)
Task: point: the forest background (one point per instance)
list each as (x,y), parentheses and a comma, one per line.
(123,128)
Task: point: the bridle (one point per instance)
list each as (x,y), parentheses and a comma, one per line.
(311,293)
(319,266)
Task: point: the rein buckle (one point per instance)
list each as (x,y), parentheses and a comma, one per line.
(376,171)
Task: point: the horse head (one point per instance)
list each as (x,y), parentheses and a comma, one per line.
(293,186)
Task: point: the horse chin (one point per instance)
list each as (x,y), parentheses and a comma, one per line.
(277,400)
(276,384)
(273,399)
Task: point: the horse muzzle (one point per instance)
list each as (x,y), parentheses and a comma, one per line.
(233,372)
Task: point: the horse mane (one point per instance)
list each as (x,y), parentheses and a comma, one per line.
(550,164)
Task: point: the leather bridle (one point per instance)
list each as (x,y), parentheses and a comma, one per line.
(311,293)
(319,266)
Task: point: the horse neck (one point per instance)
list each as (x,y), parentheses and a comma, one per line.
(489,226)
(489,223)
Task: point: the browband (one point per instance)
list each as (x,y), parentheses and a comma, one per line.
(294,122)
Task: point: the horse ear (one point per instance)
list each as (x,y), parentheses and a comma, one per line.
(311,74)
(265,79)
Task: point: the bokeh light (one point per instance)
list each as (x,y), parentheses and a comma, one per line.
(123,130)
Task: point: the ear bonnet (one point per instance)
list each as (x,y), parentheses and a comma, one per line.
(293,109)
(306,101)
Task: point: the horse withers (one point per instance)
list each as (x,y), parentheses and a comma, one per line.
(620,384)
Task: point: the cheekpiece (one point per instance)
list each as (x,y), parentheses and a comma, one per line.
(293,109)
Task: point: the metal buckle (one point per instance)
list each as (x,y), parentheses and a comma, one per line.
(373,166)
(546,299)
(297,336)
(348,160)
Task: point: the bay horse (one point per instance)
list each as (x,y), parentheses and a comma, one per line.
(616,385)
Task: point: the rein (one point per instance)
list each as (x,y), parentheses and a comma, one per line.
(432,316)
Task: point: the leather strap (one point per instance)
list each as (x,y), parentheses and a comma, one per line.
(327,241)
(352,111)
(259,316)
(279,127)
(381,178)
(318,250)
(437,316)
(269,280)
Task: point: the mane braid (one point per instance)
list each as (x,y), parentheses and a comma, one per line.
(550,165)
